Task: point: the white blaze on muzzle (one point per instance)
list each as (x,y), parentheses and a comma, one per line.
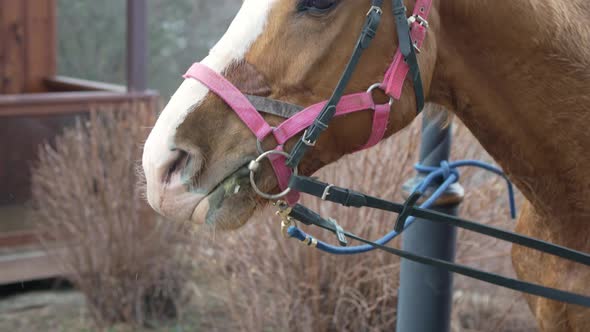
(159,150)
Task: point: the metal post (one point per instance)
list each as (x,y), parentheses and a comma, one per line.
(137,53)
(425,294)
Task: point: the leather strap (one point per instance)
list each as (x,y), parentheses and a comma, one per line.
(380,122)
(405,60)
(274,107)
(321,122)
(283,174)
(309,217)
(348,104)
(350,198)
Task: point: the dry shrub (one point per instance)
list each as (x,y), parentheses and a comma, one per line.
(129,265)
(257,281)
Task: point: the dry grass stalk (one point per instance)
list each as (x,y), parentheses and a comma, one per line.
(128,264)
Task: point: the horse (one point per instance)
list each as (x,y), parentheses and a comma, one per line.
(516,73)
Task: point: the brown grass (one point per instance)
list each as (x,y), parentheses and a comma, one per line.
(128,264)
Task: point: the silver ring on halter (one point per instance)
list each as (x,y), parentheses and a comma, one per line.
(254,166)
(378,86)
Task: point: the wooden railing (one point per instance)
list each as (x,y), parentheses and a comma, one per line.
(22,257)
(70,95)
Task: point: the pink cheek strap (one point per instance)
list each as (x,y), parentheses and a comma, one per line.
(397,73)
(283,174)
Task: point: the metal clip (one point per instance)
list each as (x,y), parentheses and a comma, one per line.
(283,211)
(310,242)
(285,224)
(339,233)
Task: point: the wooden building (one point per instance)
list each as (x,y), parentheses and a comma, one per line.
(35,104)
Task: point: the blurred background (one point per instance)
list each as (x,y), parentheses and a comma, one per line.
(81,251)
(91,38)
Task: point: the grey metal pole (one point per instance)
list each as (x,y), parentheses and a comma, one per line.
(137,52)
(425,293)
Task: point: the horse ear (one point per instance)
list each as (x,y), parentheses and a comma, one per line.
(248,79)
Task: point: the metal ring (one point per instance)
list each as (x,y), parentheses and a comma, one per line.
(378,86)
(255,166)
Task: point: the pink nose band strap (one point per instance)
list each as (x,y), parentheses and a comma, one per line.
(232,96)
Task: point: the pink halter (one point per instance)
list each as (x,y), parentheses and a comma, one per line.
(393,84)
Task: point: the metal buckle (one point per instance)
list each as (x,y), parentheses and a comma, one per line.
(415,45)
(254,166)
(339,233)
(378,86)
(376,9)
(327,192)
(306,141)
(421,20)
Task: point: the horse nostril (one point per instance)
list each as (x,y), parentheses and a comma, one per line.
(181,162)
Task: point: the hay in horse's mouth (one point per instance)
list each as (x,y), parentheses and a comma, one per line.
(234,184)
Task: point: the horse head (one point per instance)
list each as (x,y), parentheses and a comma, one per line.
(295,51)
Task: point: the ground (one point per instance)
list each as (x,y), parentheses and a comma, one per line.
(59,311)
(63,311)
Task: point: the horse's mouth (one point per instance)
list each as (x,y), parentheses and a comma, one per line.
(223,205)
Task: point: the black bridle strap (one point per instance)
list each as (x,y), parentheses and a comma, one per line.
(288,110)
(406,47)
(274,107)
(321,122)
(368,33)
(350,198)
(309,217)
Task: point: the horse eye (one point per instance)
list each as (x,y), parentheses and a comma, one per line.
(317,5)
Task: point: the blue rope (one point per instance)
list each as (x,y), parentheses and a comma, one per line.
(447,172)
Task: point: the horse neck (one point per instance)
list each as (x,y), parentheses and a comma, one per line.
(516,73)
